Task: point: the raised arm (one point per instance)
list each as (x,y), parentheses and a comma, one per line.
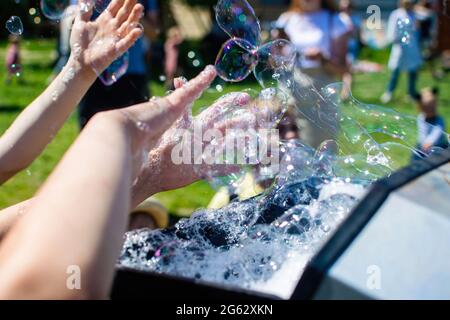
(94,44)
(79,216)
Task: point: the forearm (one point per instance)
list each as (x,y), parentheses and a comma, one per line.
(10,216)
(36,126)
(78,218)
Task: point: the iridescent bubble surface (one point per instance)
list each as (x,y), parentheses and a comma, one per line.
(54,9)
(238,19)
(116,70)
(272,60)
(235,61)
(275,60)
(268,239)
(14,25)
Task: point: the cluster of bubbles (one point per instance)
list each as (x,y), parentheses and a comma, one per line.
(248,243)
(243,53)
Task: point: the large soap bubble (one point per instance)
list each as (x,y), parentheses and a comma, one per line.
(55,9)
(240,55)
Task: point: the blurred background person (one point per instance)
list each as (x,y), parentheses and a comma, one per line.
(12,61)
(63,40)
(403,32)
(426,12)
(354,43)
(320,36)
(430,125)
(172,52)
(132,87)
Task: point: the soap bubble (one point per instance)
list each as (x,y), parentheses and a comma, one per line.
(235,62)
(237,18)
(54,9)
(115,70)
(275,62)
(16,69)
(242,54)
(14,26)
(248,243)
(250,145)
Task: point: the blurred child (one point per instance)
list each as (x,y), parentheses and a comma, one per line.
(405,54)
(172,51)
(430,125)
(353,23)
(12,62)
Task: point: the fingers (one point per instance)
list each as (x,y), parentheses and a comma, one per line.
(85,9)
(159,115)
(179,82)
(125,11)
(115,6)
(135,15)
(125,43)
(189,92)
(133,20)
(222,108)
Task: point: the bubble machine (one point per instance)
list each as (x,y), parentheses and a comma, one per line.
(394,245)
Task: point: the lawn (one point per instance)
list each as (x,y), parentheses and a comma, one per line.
(37,56)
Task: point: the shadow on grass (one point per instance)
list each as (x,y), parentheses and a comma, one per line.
(10,109)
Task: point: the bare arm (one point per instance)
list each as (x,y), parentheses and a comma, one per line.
(337,64)
(9,216)
(41,120)
(80,214)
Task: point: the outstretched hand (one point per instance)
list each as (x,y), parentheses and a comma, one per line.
(160,173)
(96,44)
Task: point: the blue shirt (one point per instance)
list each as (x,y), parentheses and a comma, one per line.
(432,131)
(137,64)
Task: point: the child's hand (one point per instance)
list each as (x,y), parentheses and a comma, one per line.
(96,44)
(160,173)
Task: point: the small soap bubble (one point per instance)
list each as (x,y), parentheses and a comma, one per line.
(191,54)
(115,70)
(404,31)
(238,19)
(15,69)
(14,25)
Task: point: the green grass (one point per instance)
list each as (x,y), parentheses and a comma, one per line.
(38,54)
